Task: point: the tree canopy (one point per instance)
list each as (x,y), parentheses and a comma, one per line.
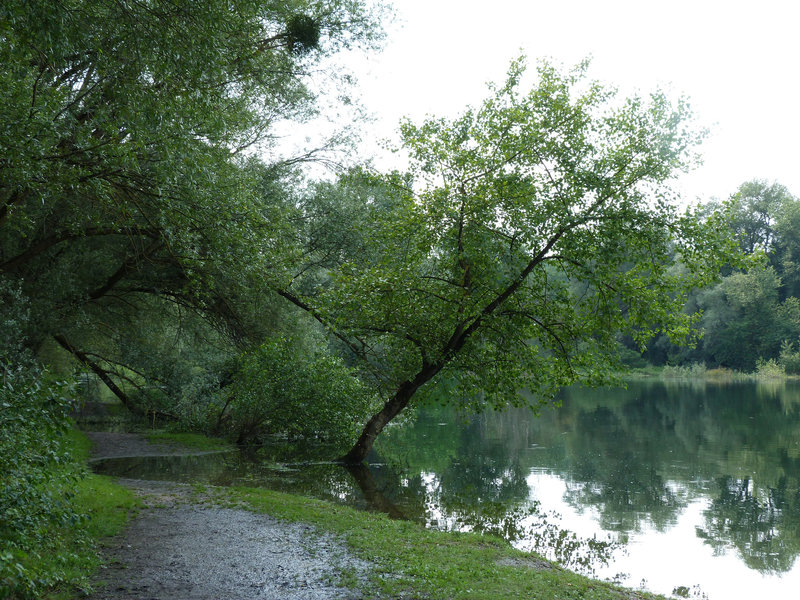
(528,232)
(130,191)
(752,315)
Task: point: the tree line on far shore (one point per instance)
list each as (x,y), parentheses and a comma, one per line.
(751,316)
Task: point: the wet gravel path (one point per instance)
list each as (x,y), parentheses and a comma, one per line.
(180,547)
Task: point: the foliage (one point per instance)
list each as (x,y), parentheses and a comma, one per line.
(786,251)
(47,518)
(744,320)
(37,476)
(756,206)
(691,371)
(278,389)
(529,232)
(630,358)
(789,358)
(130,200)
(769,369)
(68,556)
(755,306)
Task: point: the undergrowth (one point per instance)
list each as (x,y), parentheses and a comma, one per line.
(52,510)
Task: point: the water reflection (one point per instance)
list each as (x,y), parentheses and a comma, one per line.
(650,452)
(761,523)
(698,482)
(668,468)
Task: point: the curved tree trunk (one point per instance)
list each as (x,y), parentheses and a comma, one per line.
(358,453)
(101,373)
(106,378)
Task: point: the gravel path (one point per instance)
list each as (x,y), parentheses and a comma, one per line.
(179,549)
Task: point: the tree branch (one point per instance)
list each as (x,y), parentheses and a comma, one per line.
(104,376)
(44,244)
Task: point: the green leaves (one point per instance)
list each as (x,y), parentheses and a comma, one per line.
(279,390)
(130,198)
(35,479)
(529,232)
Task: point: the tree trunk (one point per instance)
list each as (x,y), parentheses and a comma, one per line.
(101,373)
(105,378)
(358,453)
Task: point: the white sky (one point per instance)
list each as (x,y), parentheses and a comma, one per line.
(738,62)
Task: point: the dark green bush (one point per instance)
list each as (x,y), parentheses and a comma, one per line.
(278,390)
(36,478)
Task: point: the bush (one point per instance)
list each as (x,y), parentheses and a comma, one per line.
(276,390)
(692,371)
(632,358)
(789,358)
(36,477)
(769,369)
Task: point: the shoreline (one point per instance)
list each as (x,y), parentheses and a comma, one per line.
(377,557)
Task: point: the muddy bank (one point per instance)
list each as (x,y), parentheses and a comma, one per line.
(182,547)
(106,444)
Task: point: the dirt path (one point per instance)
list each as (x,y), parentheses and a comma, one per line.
(180,549)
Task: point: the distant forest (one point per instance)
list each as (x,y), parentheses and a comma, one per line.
(752,314)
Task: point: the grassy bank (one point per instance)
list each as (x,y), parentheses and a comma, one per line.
(767,370)
(409,560)
(413,562)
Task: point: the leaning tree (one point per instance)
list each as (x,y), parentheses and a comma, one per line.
(527,234)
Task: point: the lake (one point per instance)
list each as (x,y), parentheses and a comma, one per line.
(678,487)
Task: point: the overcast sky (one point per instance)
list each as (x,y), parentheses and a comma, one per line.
(738,62)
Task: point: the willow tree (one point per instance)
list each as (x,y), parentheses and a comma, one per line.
(527,234)
(125,127)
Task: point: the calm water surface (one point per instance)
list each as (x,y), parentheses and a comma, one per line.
(669,486)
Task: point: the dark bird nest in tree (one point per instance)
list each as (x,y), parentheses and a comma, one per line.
(302,33)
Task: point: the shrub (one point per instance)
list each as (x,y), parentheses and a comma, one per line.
(278,390)
(632,358)
(789,358)
(769,369)
(36,477)
(692,371)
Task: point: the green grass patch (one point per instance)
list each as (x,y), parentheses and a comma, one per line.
(80,446)
(72,551)
(413,562)
(107,505)
(196,441)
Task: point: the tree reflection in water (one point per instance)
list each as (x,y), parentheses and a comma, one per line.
(761,523)
(472,478)
(635,458)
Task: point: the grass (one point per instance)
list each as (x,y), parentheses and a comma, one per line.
(416,563)
(699,372)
